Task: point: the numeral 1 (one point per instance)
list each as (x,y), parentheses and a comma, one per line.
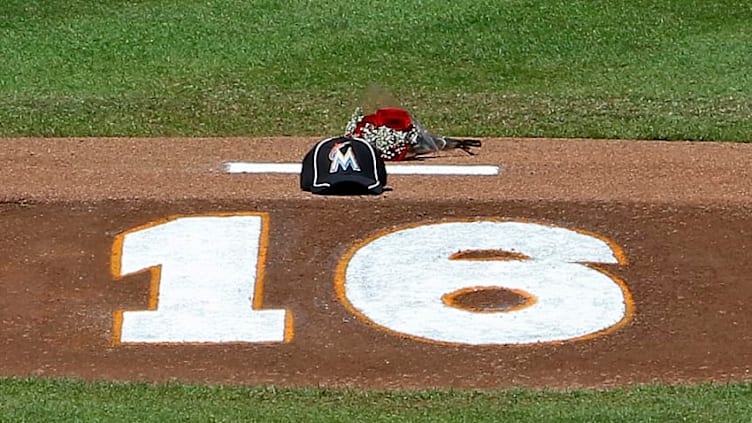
(206,282)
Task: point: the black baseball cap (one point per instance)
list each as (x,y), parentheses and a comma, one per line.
(343,166)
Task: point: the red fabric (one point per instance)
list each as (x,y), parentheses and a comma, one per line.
(401,156)
(394,118)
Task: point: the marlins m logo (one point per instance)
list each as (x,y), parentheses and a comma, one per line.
(342,160)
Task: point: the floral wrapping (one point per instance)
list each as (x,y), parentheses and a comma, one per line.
(390,130)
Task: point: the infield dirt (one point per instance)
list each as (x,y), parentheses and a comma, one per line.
(679,210)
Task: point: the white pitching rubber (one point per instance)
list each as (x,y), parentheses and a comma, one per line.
(391,169)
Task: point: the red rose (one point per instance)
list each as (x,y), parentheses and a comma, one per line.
(394,118)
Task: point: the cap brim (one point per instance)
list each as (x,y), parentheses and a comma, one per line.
(351,183)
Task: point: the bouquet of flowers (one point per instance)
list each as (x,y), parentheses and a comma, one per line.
(398,136)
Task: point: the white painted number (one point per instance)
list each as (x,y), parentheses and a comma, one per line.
(206,283)
(207,280)
(400,281)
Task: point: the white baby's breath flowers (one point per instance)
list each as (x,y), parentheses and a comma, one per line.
(391,143)
(355,119)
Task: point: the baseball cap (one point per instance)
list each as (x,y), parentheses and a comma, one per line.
(343,166)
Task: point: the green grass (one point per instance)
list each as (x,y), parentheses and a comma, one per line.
(676,69)
(31,400)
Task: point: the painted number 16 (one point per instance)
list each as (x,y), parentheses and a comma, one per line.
(207,276)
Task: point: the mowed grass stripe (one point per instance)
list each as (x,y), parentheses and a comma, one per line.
(69,401)
(640,69)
